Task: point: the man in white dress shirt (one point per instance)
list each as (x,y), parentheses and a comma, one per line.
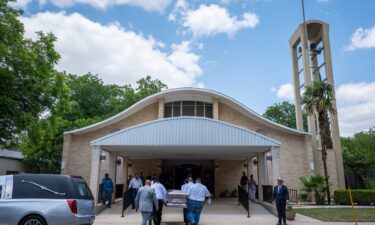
(197,194)
(161,195)
(134,185)
(185,187)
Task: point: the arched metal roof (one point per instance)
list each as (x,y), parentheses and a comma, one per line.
(186,132)
(187,93)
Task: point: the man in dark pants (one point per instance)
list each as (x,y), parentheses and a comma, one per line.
(280,198)
(134,185)
(107,190)
(161,196)
(185,188)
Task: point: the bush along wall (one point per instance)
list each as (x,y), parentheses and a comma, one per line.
(360,197)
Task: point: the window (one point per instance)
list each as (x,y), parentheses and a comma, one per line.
(200,109)
(1,191)
(188,108)
(168,110)
(83,191)
(176,109)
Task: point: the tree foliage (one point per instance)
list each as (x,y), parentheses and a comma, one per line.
(359,156)
(284,113)
(27,75)
(318,98)
(86,100)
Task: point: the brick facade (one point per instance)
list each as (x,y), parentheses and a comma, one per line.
(294,150)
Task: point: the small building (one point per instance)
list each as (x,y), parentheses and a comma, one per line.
(11,162)
(192,131)
(206,134)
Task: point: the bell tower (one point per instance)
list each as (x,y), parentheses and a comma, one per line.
(311,60)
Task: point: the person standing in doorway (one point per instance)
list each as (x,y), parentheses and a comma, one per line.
(134,185)
(280,198)
(252,187)
(196,194)
(185,188)
(243,181)
(142,177)
(107,190)
(146,202)
(161,195)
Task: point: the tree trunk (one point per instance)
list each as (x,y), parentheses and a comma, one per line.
(323,140)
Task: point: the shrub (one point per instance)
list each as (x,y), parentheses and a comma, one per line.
(360,197)
(313,185)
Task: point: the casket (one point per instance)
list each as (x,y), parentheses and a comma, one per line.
(177,199)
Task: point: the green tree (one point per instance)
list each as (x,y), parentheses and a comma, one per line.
(284,113)
(27,75)
(90,97)
(147,86)
(84,100)
(359,156)
(318,99)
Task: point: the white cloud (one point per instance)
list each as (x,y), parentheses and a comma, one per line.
(180,9)
(323,1)
(362,38)
(286,91)
(273,89)
(117,55)
(356,107)
(213,19)
(20,3)
(148,5)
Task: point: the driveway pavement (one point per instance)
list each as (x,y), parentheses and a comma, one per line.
(222,212)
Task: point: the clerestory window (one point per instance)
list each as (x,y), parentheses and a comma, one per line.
(188,108)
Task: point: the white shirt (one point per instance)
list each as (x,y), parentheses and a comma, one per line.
(279,188)
(185,187)
(198,192)
(161,193)
(135,183)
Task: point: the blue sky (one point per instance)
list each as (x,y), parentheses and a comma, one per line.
(239,48)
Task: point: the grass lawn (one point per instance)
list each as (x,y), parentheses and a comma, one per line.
(339,215)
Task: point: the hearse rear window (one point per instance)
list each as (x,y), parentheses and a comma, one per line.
(83,191)
(43,186)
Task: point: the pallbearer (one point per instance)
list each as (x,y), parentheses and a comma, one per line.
(161,195)
(197,194)
(185,188)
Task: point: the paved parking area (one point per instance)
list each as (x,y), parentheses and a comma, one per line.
(222,212)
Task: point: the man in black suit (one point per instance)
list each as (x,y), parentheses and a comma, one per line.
(280,198)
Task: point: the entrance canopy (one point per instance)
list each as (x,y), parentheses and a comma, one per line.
(186,137)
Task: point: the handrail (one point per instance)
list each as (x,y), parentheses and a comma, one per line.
(126,201)
(243,199)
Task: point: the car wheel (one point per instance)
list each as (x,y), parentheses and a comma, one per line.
(33,220)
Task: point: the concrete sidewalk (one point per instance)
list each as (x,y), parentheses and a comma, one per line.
(221,212)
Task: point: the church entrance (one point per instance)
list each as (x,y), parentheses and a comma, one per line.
(174,172)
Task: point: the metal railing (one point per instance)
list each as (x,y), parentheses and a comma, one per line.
(126,200)
(243,199)
(268,194)
(293,195)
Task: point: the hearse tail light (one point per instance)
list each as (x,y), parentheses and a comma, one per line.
(72,205)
